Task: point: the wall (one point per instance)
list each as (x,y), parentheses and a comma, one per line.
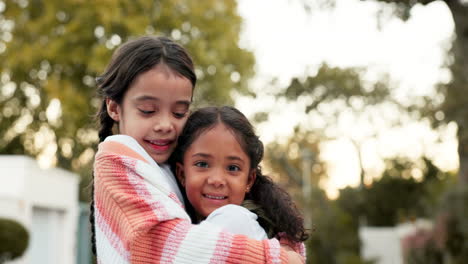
(46,202)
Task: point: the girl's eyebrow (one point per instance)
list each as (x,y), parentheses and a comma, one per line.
(235,158)
(184,102)
(144,98)
(203,155)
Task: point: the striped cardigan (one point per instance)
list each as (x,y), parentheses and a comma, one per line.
(139,216)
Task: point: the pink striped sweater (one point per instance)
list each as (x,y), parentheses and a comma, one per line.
(139,216)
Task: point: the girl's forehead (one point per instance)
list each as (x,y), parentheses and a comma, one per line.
(159,84)
(217,129)
(221,129)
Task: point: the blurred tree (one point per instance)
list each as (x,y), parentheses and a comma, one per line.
(328,94)
(435,183)
(333,231)
(393,198)
(51,52)
(453,106)
(296,166)
(291,161)
(332,94)
(330,84)
(335,238)
(397,196)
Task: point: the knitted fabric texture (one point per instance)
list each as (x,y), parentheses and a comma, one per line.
(140,219)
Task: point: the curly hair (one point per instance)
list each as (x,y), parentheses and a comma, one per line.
(279,214)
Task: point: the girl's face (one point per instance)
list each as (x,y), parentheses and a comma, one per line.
(154,110)
(216,171)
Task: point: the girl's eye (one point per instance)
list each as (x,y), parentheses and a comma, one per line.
(201,164)
(233,168)
(146,112)
(180,115)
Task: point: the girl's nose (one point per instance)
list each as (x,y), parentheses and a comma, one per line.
(216,179)
(163,124)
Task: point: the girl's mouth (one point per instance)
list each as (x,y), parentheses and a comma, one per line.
(160,145)
(215,197)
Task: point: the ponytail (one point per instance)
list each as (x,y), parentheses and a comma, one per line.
(276,211)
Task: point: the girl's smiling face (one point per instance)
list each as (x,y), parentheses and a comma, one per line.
(216,170)
(154,110)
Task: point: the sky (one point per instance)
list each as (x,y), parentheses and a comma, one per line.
(289,42)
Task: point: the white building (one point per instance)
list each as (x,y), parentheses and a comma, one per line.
(384,244)
(46,203)
(381,244)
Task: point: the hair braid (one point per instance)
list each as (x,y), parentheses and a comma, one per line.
(106,124)
(105,121)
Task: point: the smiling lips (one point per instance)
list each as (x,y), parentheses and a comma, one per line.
(160,145)
(215,197)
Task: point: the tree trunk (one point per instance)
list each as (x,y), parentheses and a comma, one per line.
(455,105)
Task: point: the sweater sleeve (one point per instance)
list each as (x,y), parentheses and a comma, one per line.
(133,227)
(237,220)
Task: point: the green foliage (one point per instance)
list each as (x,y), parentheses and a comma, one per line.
(452,108)
(450,103)
(53,50)
(390,200)
(397,197)
(14,239)
(334,238)
(287,160)
(331,84)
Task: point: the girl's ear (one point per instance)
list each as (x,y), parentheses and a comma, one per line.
(180,173)
(251,179)
(113,109)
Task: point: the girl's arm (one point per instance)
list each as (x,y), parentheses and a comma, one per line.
(237,219)
(133,226)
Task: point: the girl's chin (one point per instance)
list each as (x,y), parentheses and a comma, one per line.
(160,158)
(158,155)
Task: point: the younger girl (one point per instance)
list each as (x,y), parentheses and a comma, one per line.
(217,161)
(137,211)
